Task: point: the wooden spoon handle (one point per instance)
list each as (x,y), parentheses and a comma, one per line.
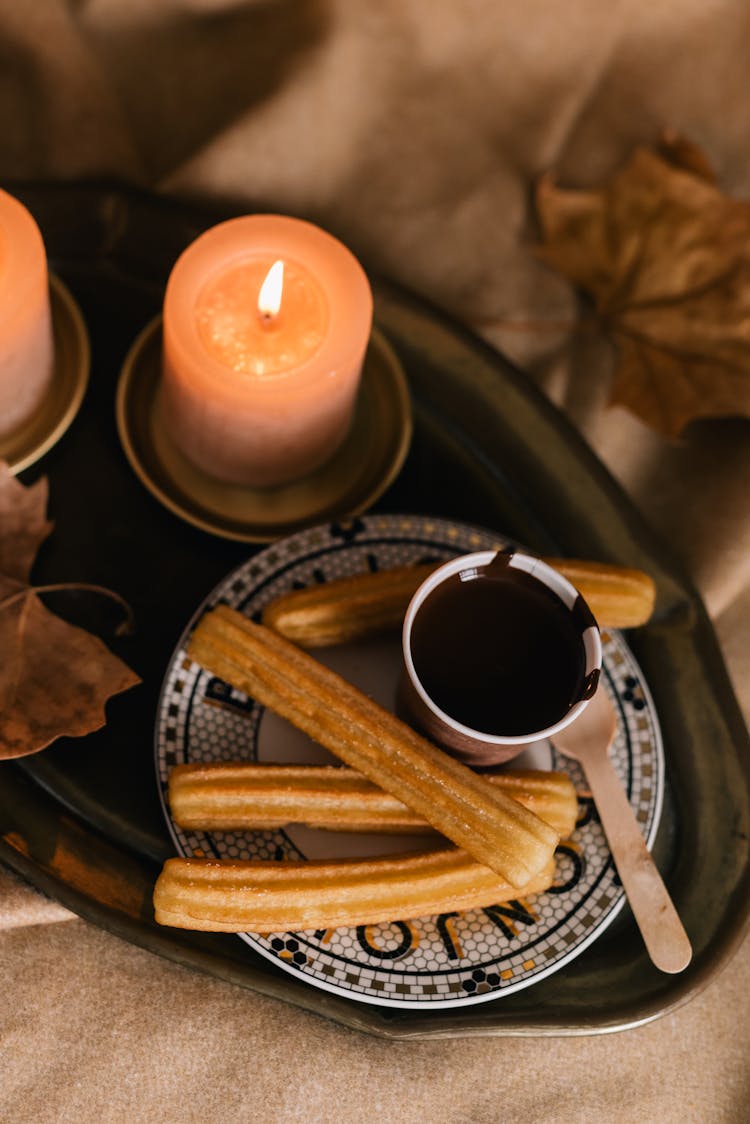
(662,931)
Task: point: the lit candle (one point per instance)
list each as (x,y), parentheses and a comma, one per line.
(26,349)
(266,322)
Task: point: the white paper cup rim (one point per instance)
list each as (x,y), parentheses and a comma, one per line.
(555,581)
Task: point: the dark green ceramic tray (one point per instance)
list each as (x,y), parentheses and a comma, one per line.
(82,821)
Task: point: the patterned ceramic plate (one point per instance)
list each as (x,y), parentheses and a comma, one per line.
(434,962)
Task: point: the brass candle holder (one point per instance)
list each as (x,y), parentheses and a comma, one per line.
(61,403)
(356,475)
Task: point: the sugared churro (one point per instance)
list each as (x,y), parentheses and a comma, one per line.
(272,897)
(368,604)
(617,596)
(492,827)
(242,797)
(346,609)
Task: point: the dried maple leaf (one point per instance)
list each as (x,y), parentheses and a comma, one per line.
(665,256)
(55,678)
(23,524)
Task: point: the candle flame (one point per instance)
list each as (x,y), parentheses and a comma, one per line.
(269,297)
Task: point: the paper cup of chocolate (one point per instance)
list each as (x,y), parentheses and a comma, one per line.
(499,651)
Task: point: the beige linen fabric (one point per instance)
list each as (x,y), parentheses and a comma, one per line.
(413,130)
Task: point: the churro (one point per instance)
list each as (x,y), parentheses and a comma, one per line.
(272,897)
(346,609)
(618,597)
(242,797)
(492,827)
(370,604)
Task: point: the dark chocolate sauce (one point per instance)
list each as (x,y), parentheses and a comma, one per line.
(497,650)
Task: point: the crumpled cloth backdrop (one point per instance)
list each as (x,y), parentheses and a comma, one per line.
(413,129)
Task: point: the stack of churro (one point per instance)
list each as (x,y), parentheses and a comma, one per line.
(278,896)
(506,849)
(505,827)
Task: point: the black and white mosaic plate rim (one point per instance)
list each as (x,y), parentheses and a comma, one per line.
(431,963)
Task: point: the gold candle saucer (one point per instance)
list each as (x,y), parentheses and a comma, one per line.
(68,384)
(350,482)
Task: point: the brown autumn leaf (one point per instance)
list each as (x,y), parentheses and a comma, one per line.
(23,524)
(665,256)
(55,678)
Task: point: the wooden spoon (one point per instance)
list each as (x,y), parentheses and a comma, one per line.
(587,740)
